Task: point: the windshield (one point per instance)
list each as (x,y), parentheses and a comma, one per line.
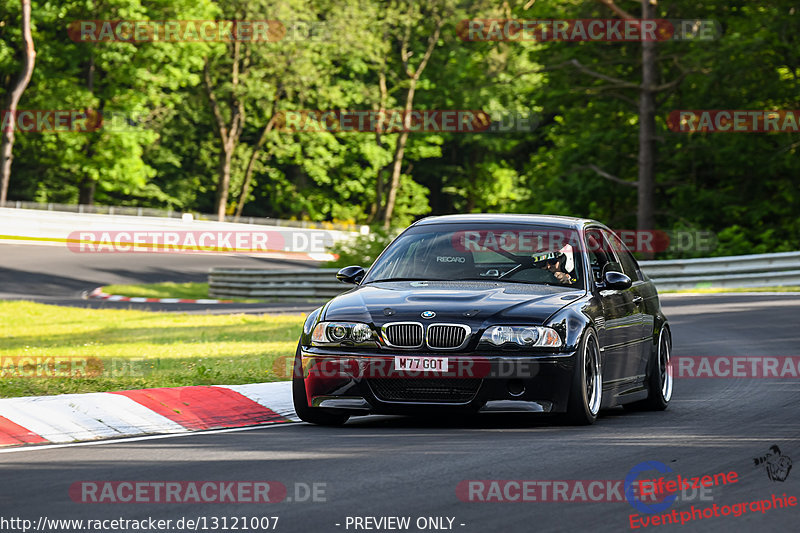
(483,252)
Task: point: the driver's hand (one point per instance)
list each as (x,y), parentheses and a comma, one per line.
(562,277)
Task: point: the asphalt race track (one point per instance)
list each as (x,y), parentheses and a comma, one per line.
(56,275)
(392,466)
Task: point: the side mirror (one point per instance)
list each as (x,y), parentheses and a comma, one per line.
(616,281)
(351,274)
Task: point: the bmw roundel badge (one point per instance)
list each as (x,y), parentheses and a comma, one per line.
(428,314)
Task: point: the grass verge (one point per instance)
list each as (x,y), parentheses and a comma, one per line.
(168,289)
(121,349)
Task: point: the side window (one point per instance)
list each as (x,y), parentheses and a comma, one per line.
(629,265)
(597,252)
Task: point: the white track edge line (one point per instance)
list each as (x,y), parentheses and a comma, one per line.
(35,447)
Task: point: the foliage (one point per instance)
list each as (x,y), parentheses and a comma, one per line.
(742,186)
(362,250)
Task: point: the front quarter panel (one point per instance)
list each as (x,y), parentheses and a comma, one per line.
(571,321)
(312,320)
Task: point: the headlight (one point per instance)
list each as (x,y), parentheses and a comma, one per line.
(523,336)
(332,333)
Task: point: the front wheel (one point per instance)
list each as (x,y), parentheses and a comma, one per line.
(312,415)
(586,392)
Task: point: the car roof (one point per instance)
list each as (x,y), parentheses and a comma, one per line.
(548,220)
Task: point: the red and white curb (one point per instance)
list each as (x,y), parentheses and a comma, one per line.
(98,294)
(102,415)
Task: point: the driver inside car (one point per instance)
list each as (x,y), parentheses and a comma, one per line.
(556,264)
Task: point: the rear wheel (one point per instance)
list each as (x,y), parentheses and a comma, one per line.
(312,415)
(586,392)
(659,379)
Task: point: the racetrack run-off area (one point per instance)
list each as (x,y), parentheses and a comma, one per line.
(712,426)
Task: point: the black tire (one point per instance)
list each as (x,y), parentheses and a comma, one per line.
(659,377)
(313,415)
(586,392)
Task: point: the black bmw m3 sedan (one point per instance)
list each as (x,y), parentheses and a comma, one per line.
(488,313)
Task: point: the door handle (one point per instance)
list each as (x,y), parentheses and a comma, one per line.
(637,300)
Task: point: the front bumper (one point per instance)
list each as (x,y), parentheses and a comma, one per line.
(366,383)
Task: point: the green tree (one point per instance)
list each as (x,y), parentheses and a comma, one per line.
(133,86)
(14,93)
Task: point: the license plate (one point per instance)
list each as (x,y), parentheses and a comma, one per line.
(435,364)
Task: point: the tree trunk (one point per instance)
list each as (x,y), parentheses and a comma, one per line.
(14,95)
(376,210)
(413,76)
(87,186)
(397,163)
(245,190)
(228,133)
(86,190)
(647,130)
(224,180)
(248,174)
(645,184)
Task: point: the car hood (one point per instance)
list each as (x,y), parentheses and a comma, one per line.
(456,301)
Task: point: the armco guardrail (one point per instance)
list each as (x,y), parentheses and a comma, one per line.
(28,225)
(169,213)
(316,283)
(761,270)
(740,271)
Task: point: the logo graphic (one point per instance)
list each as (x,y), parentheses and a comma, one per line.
(630,481)
(428,314)
(777,465)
